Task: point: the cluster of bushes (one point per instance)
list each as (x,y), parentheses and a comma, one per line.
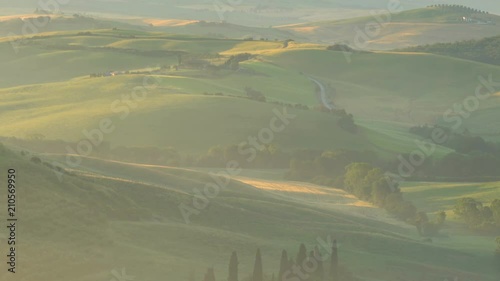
(370,184)
(254,94)
(312,265)
(358,173)
(346,121)
(426,227)
(353,171)
(203,62)
(479,217)
(233,63)
(340,48)
(344,48)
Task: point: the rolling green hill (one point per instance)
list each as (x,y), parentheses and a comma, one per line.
(212,120)
(409,87)
(110,215)
(399,95)
(142,89)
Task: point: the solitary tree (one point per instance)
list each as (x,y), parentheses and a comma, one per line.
(233,267)
(258,275)
(441,218)
(420,221)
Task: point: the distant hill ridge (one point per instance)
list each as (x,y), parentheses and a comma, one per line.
(446,13)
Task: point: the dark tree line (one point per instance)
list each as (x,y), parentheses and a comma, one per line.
(462,142)
(474,158)
(484,50)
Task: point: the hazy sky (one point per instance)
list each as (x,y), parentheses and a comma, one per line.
(165,7)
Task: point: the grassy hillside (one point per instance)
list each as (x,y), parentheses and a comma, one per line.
(126,216)
(443,196)
(398,95)
(212,120)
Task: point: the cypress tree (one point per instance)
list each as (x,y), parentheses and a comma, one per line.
(258,274)
(301,255)
(284,265)
(233,267)
(334,265)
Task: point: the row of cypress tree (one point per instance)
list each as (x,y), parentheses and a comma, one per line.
(305,267)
